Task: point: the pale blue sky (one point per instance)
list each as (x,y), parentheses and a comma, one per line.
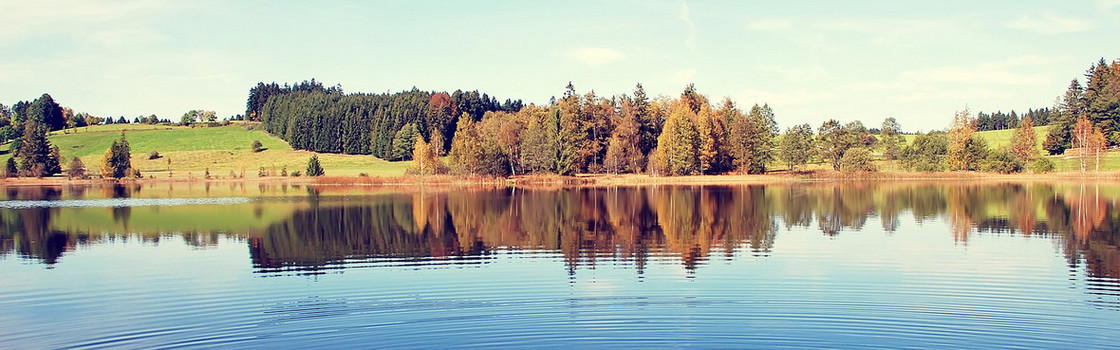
(810,60)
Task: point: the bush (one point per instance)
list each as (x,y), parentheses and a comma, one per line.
(857,159)
(262,173)
(257,146)
(295,173)
(1042,165)
(1002,161)
(153,155)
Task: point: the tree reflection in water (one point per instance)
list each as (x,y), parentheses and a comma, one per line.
(587,226)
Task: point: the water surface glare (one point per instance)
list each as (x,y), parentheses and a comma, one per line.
(822,265)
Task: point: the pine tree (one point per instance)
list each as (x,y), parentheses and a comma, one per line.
(404,141)
(117,161)
(313,166)
(37,156)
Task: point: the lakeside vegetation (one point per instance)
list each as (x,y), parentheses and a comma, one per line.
(291,129)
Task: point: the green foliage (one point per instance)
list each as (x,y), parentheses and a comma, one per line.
(10,169)
(404,142)
(857,159)
(38,158)
(679,143)
(313,167)
(1042,165)
(47,112)
(1002,161)
(313,117)
(926,153)
(796,145)
(890,138)
(153,155)
(117,162)
(257,146)
(752,138)
(834,140)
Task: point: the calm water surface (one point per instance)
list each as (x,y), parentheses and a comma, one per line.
(855,265)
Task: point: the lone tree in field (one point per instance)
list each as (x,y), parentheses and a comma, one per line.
(77,169)
(313,167)
(117,162)
(257,146)
(1024,143)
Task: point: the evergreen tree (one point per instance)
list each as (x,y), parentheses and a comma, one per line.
(404,141)
(117,161)
(10,169)
(37,156)
(313,166)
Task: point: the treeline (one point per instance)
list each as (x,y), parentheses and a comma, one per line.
(1003,121)
(324,119)
(1097,102)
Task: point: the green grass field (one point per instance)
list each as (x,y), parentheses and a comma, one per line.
(191,151)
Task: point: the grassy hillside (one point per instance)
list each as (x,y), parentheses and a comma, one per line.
(193,150)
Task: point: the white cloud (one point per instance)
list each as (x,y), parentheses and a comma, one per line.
(767,25)
(1049,23)
(596,56)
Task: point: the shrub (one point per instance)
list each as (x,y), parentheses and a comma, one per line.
(857,159)
(262,172)
(153,155)
(1002,161)
(295,173)
(257,146)
(1042,165)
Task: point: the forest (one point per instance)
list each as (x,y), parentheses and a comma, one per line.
(683,135)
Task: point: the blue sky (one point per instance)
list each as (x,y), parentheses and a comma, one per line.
(918,61)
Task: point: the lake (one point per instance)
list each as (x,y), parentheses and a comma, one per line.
(812,265)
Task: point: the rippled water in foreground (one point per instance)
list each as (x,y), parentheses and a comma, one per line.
(869,265)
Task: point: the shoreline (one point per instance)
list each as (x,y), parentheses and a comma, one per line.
(591,180)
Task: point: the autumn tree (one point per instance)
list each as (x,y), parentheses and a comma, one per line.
(466,148)
(425,161)
(963,150)
(1024,144)
(678,146)
(1083,140)
(624,153)
(796,145)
